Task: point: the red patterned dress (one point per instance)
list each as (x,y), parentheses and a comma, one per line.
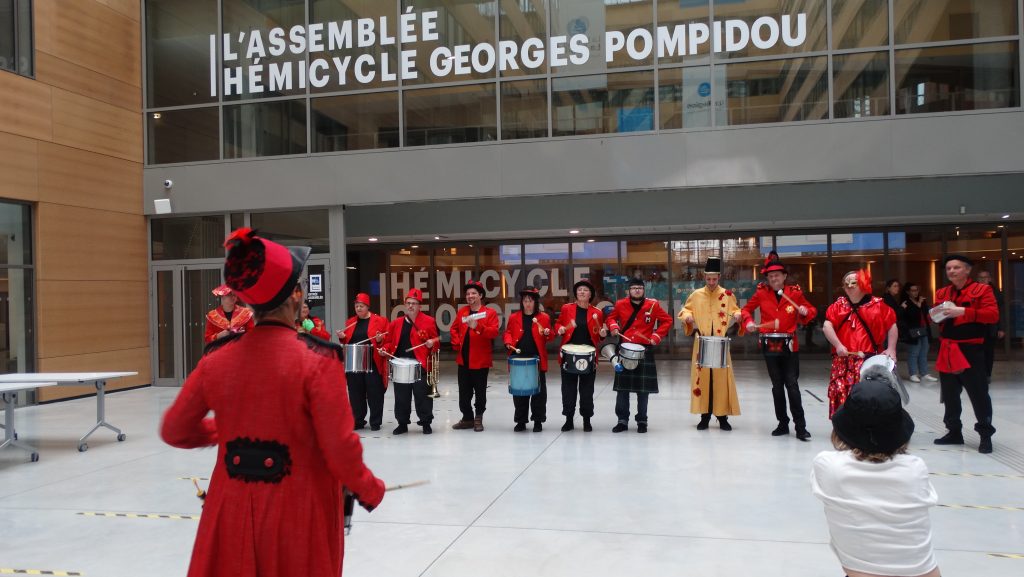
(852,330)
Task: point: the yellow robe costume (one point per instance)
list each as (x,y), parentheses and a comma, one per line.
(712,311)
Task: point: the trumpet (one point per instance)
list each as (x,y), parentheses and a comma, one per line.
(434,375)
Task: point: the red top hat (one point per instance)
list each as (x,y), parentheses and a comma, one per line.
(363,298)
(261,272)
(415,294)
(772,264)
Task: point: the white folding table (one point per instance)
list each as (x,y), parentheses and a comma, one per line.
(9,394)
(98,380)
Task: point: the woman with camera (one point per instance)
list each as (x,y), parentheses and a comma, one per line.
(914,314)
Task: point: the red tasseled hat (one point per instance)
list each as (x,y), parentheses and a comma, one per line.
(772,263)
(363,298)
(262,272)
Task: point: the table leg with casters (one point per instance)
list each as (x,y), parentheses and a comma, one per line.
(101,420)
(10,439)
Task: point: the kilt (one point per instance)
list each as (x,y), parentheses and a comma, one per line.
(642,379)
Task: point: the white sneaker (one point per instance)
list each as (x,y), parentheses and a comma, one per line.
(930,379)
(915,379)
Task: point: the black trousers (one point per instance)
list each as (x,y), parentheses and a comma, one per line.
(975,382)
(538,404)
(571,383)
(990,354)
(404,393)
(472,381)
(366,390)
(784,370)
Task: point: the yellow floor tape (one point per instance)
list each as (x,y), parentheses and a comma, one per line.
(139,515)
(6,571)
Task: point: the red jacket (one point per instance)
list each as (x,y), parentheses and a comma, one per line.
(272,386)
(481,339)
(424,329)
(773,308)
(650,326)
(851,332)
(241,321)
(514,332)
(980,311)
(378,324)
(319,329)
(595,318)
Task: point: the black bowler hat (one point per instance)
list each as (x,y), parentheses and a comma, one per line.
(714,265)
(635,281)
(873,419)
(475,285)
(586,283)
(530,291)
(967,261)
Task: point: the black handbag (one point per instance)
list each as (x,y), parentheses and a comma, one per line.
(917,333)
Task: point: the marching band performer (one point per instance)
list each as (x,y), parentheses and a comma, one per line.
(580,323)
(367,389)
(529,330)
(858,326)
(961,362)
(227,318)
(409,332)
(641,321)
(473,341)
(310,324)
(782,307)
(707,312)
(282,427)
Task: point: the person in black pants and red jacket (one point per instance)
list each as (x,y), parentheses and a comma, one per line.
(473,334)
(580,323)
(529,330)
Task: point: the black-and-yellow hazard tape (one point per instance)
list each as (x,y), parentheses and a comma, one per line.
(9,571)
(139,515)
(1007,555)
(981,475)
(982,507)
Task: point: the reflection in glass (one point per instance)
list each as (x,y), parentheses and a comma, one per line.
(409,268)
(265,129)
(949,78)
(778,91)
(187,135)
(15,234)
(854,251)
(916,257)
(178,51)
(7,24)
(596,262)
(806,260)
(602,104)
(546,267)
(685,97)
(247,16)
(355,122)
(465,23)
(325,11)
(672,13)
(454,265)
(648,261)
(861,84)
(518,21)
(294,228)
(569,17)
(26,56)
(199,300)
(687,259)
(187,237)
(524,109)
(860,23)
(449,115)
(938,20)
(783,12)
(17,332)
(164,324)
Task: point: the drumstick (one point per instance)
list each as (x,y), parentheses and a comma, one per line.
(369,339)
(406,485)
(785,296)
(383,352)
(411,349)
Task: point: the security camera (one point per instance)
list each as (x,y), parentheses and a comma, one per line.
(168,183)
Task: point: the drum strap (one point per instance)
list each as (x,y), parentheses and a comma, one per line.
(636,311)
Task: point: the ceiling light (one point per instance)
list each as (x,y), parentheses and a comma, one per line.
(157,115)
(437,238)
(372,239)
(574,231)
(590,240)
(351,268)
(415,246)
(1005,216)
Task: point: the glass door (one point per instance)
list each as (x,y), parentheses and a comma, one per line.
(182,295)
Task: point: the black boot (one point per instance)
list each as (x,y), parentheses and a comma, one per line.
(537,427)
(619,427)
(641,427)
(704,420)
(782,429)
(985,447)
(951,438)
(426,429)
(723,423)
(400,430)
(568,426)
(803,434)
(586,425)
(519,428)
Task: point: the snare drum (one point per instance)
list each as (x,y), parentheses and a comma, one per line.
(405,371)
(579,359)
(630,354)
(776,344)
(358,358)
(523,376)
(713,352)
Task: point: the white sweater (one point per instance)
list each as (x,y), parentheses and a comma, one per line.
(877,512)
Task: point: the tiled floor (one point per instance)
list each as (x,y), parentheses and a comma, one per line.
(673,502)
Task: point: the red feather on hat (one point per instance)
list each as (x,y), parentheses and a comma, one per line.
(864,280)
(771,257)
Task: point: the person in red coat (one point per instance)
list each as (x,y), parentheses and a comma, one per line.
(858,326)
(228,318)
(580,323)
(367,389)
(412,336)
(965,322)
(640,321)
(473,340)
(780,316)
(282,427)
(529,330)
(310,324)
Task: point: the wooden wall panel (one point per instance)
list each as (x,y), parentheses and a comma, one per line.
(127,360)
(93,125)
(60,73)
(80,178)
(90,34)
(79,317)
(75,243)
(19,178)
(26,107)
(130,8)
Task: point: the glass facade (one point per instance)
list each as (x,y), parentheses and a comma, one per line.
(484,70)
(16,37)
(17,289)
